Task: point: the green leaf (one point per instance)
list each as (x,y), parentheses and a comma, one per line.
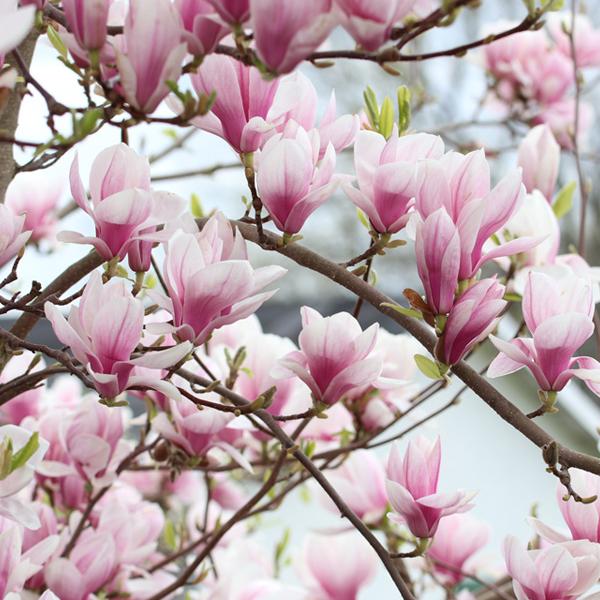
(386,118)
(564,200)
(407,312)
(5,457)
(428,367)
(280,548)
(404,114)
(170,535)
(57,42)
(20,458)
(371,107)
(363,218)
(87,123)
(196,206)
(512,297)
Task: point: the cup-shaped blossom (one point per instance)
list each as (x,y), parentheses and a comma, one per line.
(563,571)
(285,33)
(472,318)
(91,439)
(387,175)
(583,520)
(87,21)
(202,29)
(232,12)
(437,250)
(539,157)
(12,236)
(360,481)
(457,539)
(104,330)
(295,104)
(291,181)
(559,316)
(144,75)
(338,566)
(336,356)
(17,566)
(370,23)
(123,207)
(16,23)
(211,285)
(412,488)
(242,102)
(12,440)
(91,564)
(35,197)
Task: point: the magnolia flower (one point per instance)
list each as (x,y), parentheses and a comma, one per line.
(12,236)
(472,318)
(90,565)
(370,22)
(87,20)
(539,157)
(412,488)
(338,566)
(243,99)
(336,356)
(285,33)
(210,281)
(387,175)
(16,566)
(123,207)
(563,571)
(16,23)
(144,75)
(295,104)
(27,403)
(20,446)
(232,11)
(559,317)
(457,539)
(103,332)
(291,181)
(203,31)
(586,39)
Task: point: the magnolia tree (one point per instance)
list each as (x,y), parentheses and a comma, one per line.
(138,452)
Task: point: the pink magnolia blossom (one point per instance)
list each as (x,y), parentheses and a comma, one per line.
(12,236)
(412,488)
(370,22)
(461,185)
(562,571)
(11,507)
(472,318)
(203,31)
(210,281)
(104,330)
(36,198)
(291,181)
(457,539)
(16,566)
(336,356)
(90,565)
(539,157)
(232,11)
(87,20)
(387,175)
(243,99)
(560,117)
(27,403)
(437,250)
(587,38)
(144,74)
(360,481)
(285,33)
(16,24)
(559,317)
(49,528)
(338,566)
(123,207)
(295,104)
(91,439)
